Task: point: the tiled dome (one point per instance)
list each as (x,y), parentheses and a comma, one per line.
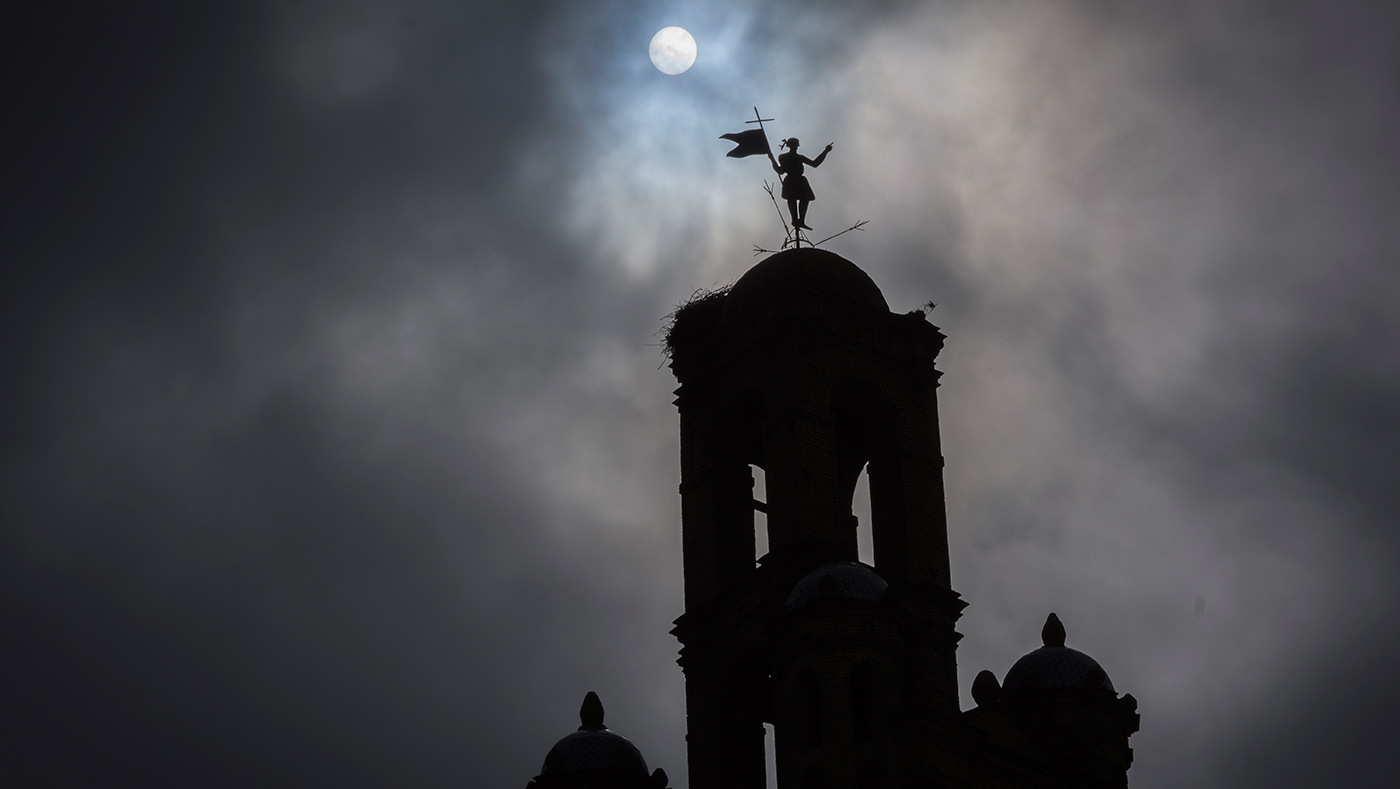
(851,580)
(1055,666)
(588,750)
(828,269)
(593,746)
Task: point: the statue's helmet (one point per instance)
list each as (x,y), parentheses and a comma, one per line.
(791,142)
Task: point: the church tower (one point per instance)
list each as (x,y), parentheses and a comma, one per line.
(801,370)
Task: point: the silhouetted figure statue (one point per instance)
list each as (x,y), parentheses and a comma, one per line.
(789,167)
(796,191)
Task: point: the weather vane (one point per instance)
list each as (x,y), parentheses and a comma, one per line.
(789,167)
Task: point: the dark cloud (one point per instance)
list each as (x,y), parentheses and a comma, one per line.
(335,447)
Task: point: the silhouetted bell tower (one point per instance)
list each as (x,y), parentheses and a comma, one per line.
(800,369)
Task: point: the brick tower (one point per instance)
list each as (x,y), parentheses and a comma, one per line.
(801,370)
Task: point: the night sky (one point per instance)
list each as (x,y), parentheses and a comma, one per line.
(337,444)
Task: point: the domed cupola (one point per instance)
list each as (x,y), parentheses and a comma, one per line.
(1064,700)
(1055,665)
(825,270)
(849,580)
(593,757)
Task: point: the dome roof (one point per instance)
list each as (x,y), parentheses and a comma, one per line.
(850,580)
(826,268)
(1055,666)
(588,750)
(593,746)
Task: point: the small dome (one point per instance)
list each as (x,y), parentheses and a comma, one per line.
(827,268)
(588,750)
(593,746)
(1055,666)
(851,580)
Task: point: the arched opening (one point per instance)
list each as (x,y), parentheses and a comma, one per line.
(860,509)
(760,511)
(867,446)
(770,754)
(748,701)
(733,452)
(868,460)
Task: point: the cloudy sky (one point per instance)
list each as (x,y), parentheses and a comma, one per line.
(337,449)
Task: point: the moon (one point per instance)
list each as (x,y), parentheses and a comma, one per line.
(672,50)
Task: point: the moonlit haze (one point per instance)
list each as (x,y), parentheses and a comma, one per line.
(339,449)
(672,50)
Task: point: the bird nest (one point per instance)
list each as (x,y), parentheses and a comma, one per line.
(692,319)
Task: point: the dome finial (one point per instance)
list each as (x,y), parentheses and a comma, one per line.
(1053,634)
(591,713)
(985,689)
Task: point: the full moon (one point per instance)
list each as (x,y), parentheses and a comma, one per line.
(672,50)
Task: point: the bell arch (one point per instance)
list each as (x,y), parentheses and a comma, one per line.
(870,436)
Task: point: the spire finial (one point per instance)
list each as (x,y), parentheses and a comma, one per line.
(1053,634)
(591,713)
